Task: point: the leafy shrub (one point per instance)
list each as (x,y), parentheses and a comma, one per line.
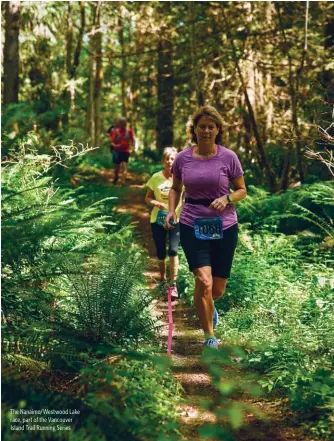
(279,307)
(134,395)
(138,397)
(309,207)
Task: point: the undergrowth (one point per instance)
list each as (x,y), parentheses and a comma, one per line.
(77,328)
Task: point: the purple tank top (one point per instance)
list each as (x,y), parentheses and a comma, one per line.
(207,179)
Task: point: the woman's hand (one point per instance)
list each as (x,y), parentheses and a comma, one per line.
(219,203)
(171,216)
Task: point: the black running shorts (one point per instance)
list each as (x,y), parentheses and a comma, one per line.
(119,157)
(215,253)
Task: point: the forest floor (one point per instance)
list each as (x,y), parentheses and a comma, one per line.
(280,423)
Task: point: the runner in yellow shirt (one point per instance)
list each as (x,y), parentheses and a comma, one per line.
(158,187)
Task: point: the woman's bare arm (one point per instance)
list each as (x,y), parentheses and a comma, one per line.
(173,201)
(149,199)
(239,193)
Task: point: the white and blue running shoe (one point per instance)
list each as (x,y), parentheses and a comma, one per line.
(212,343)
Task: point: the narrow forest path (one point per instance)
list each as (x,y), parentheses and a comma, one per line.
(280,424)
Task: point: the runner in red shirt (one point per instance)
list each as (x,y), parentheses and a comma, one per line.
(122,139)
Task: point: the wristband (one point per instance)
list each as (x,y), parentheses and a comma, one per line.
(229,198)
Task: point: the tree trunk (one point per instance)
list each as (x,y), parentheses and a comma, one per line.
(68,65)
(247,134)
(76,57)
(11,53)
(98,82)
(194,59)
(284,182)
(95,76)
(165,134)
(269,103)
(69,38)
(71,67)
(123,61)
(268,86)
(90,113)
(299,147)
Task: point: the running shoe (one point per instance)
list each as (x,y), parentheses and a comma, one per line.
(215,318)
(212,343)
(174,292)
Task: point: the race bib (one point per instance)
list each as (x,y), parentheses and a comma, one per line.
(208,228)
(161,217)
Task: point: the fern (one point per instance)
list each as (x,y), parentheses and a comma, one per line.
(109,301)
(295,210)
(309,216)
(29,365)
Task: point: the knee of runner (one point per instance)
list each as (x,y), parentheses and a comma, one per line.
(204,281)
(216,294)
(161,256)
(218,289)
(172,253)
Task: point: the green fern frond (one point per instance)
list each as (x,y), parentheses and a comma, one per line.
(25,363)
(313,218)
(103,201)
(13,194)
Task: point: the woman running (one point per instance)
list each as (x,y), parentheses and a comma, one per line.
(158,187)
(208,222)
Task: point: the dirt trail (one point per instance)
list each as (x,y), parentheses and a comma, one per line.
(187,349)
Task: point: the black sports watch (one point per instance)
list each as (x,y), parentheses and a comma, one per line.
(229,198)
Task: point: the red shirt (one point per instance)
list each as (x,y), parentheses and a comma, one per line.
(121,138)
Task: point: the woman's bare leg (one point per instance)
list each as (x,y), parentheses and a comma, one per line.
(218,287)
(203,299)
(116,171)
(173,267)
(124,171)
(162,269)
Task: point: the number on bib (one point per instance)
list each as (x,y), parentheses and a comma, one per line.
(208,228)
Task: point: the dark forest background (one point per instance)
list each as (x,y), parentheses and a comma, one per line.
(71,68)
